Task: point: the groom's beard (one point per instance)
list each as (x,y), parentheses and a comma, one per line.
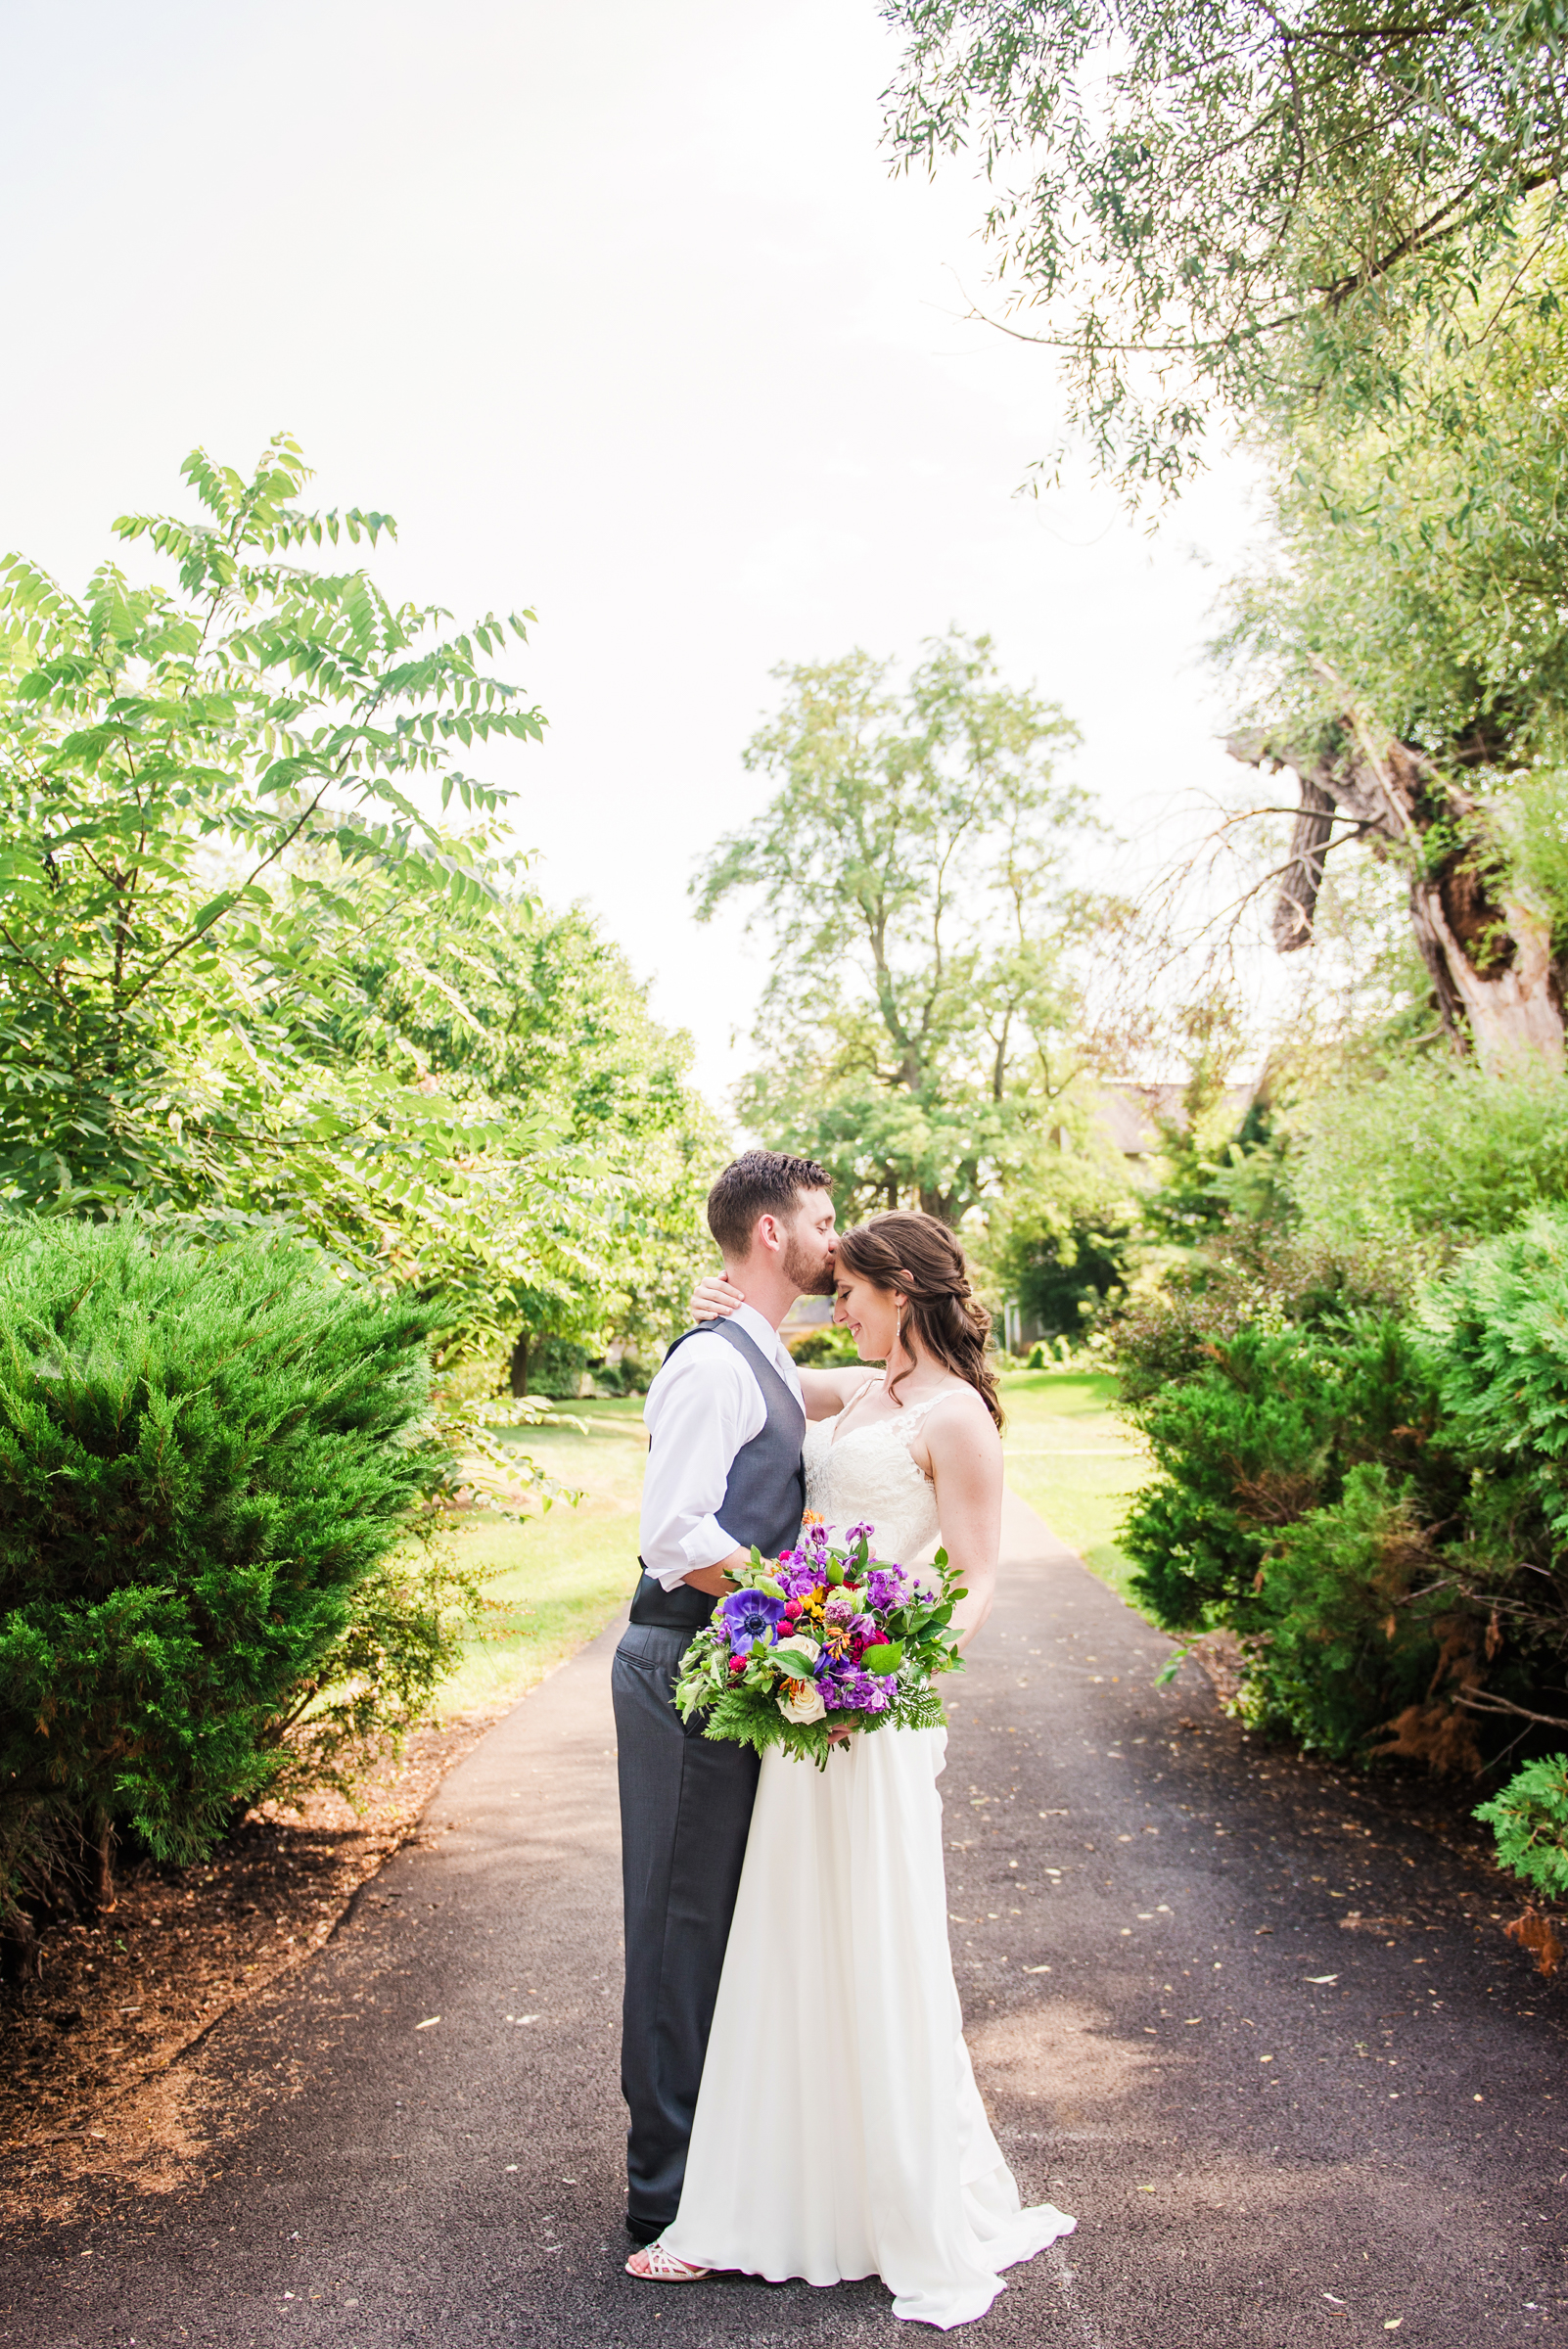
(810,1270)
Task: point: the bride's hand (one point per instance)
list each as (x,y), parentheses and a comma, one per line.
(714,1299)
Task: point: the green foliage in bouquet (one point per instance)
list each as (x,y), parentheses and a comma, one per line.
(827,1639)
(737,1718)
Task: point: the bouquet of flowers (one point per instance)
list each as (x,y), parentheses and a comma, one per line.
(830,1637)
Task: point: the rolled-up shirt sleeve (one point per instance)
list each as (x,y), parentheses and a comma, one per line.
(701,1408)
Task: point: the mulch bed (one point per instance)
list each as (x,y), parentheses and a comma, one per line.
(86,2053)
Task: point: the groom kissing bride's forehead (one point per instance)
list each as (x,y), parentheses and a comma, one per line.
(824,1887)
(774,1217)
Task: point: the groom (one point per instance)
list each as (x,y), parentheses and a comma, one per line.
(725,1424)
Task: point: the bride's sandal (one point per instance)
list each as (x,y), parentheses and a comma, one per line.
(653,2264)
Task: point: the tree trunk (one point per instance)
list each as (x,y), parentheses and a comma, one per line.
(519,1365)
(1498,989)
(1494,973)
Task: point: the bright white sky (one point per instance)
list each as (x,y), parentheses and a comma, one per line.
(619,312)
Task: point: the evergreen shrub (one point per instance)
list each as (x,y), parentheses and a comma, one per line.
(1529,1819)
(1502,1317)
(1263,1430)
(1349,1635)
(1374,1500)
(207,1455)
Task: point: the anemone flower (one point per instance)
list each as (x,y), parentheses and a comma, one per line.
(749,1616)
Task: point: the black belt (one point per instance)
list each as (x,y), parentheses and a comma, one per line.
(682,1609)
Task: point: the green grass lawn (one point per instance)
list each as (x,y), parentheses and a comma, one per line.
(561,1576)
(1073,1461)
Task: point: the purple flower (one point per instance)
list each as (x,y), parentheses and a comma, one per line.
(846,1688)
(885,1588)
(750,1616)
(859,1532)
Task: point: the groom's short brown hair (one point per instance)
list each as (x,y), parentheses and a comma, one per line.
(760,1182)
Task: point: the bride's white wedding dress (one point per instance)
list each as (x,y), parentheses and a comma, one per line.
(839,2131)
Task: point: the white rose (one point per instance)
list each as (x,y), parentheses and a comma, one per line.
(807,1705)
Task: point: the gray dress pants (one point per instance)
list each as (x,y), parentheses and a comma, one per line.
(685,1809)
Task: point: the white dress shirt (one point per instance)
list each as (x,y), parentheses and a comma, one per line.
(703,1406)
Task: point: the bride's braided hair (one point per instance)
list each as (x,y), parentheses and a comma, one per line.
(922,1261)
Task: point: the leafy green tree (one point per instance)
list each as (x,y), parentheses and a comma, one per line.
(915,867)
(1406,658)
(1221,202)
(1419,547)
(1341,233)
(592,1230)
(211,792)
(1059,1276)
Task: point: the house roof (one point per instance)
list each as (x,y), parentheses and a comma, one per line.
(1131,1112)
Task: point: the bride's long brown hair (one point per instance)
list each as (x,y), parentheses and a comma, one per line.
(920,1258)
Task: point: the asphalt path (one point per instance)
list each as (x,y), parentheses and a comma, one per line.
(1263,2039)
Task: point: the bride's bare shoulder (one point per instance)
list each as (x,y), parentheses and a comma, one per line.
(959,1410)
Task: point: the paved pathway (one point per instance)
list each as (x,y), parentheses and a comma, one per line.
(1266,2042)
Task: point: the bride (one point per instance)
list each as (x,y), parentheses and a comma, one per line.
(839,2131)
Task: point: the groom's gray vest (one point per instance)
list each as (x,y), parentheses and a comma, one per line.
(764,1497)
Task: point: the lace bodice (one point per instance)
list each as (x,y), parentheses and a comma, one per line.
(869,1477)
